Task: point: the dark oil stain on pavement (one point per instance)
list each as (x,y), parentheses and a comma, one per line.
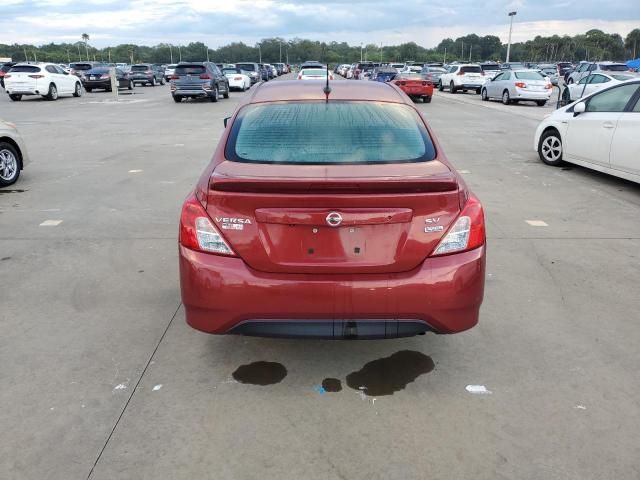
(331,385)
(260,373)
(12,191)
(388,375)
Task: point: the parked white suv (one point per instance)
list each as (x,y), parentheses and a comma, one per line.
(45,79)
(466,76)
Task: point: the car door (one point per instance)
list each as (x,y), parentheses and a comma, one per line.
(70,80)
(626,139)
(590,134)
(492,85)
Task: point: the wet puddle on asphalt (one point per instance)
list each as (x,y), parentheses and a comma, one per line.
(388,375)
(331,385)
(260,373)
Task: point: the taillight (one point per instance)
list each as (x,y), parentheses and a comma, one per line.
(6,75)
(520,85)
(300,76)
(424,84)
(173,77)
(149,72)
(197,231)
(205,76)
(466,233)
(548,86)
(36,76)
(237,78)
(403,83)
(104,76)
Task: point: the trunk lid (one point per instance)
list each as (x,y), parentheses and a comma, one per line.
(333,218)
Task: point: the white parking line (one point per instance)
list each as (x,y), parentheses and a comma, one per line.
(135,171)
(51,223)
(464,171)
(537,223)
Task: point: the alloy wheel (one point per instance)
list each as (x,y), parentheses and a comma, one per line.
(8,165)
(551,149)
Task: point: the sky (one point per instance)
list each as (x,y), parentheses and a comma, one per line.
(219,22)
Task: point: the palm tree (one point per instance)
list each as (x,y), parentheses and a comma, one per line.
(85,39)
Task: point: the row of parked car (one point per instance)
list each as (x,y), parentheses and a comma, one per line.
(51,80)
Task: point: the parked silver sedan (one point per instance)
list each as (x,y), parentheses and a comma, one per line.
(512,86)
(13,154)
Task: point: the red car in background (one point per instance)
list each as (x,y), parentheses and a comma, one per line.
(330,216)
(415,85)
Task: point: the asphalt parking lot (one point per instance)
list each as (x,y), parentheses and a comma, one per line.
(101,377)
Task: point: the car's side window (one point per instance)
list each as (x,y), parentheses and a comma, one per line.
(612,100)
(498,77)
(58,70)
(583,80)
(50,69)
(636,108)
(598,79)
(506,76)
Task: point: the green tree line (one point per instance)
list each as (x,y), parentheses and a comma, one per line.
(593,45)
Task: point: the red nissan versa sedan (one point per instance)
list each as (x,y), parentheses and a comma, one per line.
(332,216)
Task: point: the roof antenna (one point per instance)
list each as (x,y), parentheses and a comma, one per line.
(327,88)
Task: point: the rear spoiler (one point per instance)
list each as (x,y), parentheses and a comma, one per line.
(437,183)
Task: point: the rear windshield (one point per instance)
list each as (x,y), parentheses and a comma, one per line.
(81,66)
(319,133)
(99,70)
(471,70)
(314,72)
(490,67)
(397,65)
(623,78)
(140,68)
(249,67)
(528,76)
(614,68)
(190,70)
(231,70)
(24,69)
(409,76)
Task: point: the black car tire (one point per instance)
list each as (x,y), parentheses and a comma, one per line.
(426,99)
(88,89)
(483,95)
(52,94)
(506,98)
(549,146)
(78,92)
(452,88)
(162,82)
(226,93)
(131,85)
(478,90)
(4,146)
(214,95)
(177,98)
(153,82)
(10,149)
(15,97)
(541,103)
(440,87)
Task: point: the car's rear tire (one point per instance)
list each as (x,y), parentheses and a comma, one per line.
(52,95)
(177,98)
(15,97)
(162,82)
(426,99)
(541,103)
(452,88)
(484,95)
(214,95)
(9,164)
(131,85)
(506,98)
(478,90)
(550,148)
(226,92)
(78,91)
(440,87)
(88,90)
(153,82)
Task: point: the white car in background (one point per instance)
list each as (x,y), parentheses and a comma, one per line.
(598,132)
(350,71)
(398,66)
(512,86)
(464,76)
(314,74)
(45,79)
(594,82)
(238,79)
(13,154)
(169,71)
(410,69)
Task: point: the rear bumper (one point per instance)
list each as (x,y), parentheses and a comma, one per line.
(223,295)
(470,86)
(520,94)
(96,84)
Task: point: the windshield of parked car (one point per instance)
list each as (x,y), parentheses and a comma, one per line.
(528,76)
(24,69)
(98,70)
(622,78)
(615,68)
(140,68)
(231,71)
(409,76)
(336,132)
(313,72)
(81,66)
(190,70)
(471,70)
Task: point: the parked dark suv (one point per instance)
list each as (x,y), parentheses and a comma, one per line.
(198,79)
(252,69)
(147,74)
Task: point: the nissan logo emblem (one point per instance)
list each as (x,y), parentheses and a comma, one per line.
(334,219)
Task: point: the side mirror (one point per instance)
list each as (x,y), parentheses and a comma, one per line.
(579,108)
(225,121)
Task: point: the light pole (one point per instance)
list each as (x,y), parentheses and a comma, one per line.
(360,52)
(171,53)
(260,53)
(280,59)
(511,15)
